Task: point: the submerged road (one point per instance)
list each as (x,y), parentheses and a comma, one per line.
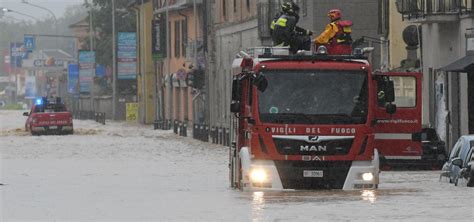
(130,172)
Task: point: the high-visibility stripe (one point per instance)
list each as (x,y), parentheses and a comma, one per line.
(392,136)
(272,26)
(281,22)
(403,157)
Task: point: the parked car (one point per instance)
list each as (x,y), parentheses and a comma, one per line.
(49,117)
(434,149)
(460,166)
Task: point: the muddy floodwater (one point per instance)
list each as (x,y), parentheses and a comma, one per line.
(129,172)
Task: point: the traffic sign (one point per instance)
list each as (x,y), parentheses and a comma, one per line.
(30,42)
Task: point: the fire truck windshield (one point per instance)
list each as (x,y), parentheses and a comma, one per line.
(314,97)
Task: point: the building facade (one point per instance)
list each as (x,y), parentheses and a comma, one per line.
(447,35)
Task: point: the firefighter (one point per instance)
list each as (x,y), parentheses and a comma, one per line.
(337,34)
(285,32)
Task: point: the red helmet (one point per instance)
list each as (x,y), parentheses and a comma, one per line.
(334,14)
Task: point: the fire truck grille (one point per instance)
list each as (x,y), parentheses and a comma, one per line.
(299,147)
(334,174)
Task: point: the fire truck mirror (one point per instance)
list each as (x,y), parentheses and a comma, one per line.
(389,91)
(235,107)
(391,108)
(236,95)
(261,82)
(236,89)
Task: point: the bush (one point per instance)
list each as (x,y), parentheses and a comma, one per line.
(11,106)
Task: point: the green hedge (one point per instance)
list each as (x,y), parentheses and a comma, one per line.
(12,107)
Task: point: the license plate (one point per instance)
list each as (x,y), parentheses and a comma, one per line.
(53,127)
(312,173)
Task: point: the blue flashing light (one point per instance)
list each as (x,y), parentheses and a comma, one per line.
(39,101)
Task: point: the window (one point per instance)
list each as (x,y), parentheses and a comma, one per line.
(169,41)
(50,108)
(248,5)
(235,6)
(405,90)
(177,44)
(456,149)
(184,36)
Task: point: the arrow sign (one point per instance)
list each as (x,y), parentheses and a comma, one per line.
(30,42)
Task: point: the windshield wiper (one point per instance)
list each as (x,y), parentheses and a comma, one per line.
(337,117)
(291,117)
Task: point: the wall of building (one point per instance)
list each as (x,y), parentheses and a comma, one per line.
(179,100)
(397,48)
(444,43)
(363,13)
(146,70)
(235,30)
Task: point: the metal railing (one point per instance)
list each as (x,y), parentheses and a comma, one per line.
(90,115)
(415,9)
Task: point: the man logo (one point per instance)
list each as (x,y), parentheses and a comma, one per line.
(313,139)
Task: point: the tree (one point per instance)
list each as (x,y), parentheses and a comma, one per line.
(102,26)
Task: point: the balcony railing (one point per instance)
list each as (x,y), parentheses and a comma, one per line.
(419,9)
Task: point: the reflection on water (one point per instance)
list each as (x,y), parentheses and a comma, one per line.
(369,195)
(261,201)
(261,198)
(258,204)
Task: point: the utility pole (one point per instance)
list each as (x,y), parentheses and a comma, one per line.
(144,60)
(91,47)
(114,64)
(168,58)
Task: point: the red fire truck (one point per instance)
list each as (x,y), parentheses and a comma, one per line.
(318,121)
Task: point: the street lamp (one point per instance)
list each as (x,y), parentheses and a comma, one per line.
(46,9)
(6,10)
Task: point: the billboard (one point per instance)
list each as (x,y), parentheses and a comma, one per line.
(127,55)
(86,70)
(159,38)
(6,61)
(73,79)
(17,54)
(100,71)
(131,111)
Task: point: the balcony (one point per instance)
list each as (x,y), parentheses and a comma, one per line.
(175,5)
(434,11)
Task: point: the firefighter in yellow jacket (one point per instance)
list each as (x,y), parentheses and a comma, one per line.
(337,34)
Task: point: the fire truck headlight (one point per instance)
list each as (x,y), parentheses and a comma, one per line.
(367,176)
(258,176)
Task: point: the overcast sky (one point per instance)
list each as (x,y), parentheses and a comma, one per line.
(56,6)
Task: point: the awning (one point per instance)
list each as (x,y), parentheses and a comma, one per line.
(463,64)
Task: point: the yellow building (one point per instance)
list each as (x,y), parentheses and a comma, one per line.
(397,47)
(146,78)
(163,92)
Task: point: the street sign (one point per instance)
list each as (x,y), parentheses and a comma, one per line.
(29,42)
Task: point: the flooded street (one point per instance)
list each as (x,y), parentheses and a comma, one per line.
(129,172)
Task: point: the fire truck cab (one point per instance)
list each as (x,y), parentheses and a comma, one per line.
(309,120)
